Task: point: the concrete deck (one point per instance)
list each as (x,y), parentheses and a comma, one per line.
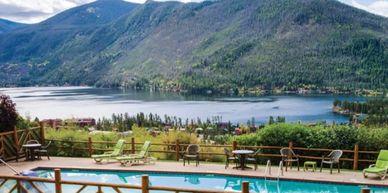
(346,176)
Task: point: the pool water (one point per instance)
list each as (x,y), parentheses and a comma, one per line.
(202,181)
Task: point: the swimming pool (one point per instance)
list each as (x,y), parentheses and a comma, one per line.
(202,181)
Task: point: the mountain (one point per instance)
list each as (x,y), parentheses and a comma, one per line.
(6,25)
(215,45)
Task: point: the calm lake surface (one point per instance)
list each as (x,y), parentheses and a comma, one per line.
(69,102)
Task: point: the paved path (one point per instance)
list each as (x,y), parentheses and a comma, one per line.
(346,176)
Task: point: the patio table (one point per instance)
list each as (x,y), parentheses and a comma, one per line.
(31,149)
(242,155)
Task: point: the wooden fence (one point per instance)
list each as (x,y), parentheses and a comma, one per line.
(350,156)
(23,184)
(11,142)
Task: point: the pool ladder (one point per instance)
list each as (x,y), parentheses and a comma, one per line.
(267,169)
(10,167)
(280,169)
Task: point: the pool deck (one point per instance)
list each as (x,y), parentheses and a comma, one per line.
(346,176)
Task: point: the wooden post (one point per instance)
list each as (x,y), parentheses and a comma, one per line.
(144,184)
(365,190)
(42,137)
(90,147)
(58,188)
(245,187)
(133,148)
(177,150)
(355,158)
(18,186)
(16,142)
(290,145)
(234,145)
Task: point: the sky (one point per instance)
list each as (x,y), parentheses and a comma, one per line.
(34,11)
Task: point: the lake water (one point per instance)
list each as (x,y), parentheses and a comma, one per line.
(82,102)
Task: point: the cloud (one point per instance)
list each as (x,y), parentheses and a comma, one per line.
(33,11)
(379,7)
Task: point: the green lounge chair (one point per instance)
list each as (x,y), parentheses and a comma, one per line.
(381,166)
(117,151)
(132,158)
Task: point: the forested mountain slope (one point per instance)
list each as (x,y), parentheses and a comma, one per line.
(219,45)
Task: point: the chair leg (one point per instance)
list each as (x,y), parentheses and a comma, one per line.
(184,161)
(227,163)
(339,169)
(331,168)
(321,166)
(48,157)
(298,165)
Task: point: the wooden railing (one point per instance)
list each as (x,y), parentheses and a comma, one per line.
(26,184)
(351,156)
(11,142)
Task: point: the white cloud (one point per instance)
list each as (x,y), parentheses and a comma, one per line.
(34,11)
(379,7)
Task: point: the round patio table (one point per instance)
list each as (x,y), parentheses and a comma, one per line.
(242,155)
(31,149)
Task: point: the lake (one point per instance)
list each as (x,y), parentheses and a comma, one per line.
(82,102)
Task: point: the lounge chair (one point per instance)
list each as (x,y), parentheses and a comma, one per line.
(381,166)
(117,151)
(192,152)
(332,158)
(229,157)
(132,158)
(288,156)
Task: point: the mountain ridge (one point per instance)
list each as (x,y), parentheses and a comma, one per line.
(7,25)
(216,45)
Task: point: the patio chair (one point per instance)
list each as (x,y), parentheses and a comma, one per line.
(141,156)
(253,158)
(117,151)
(381,166)
(288,156)
(192,152)
(32,141)
(43,151)
(332,158)
(229,157)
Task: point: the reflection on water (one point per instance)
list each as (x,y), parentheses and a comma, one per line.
(67,102)
(209,182)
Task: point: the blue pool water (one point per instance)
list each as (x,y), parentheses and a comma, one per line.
(202,181)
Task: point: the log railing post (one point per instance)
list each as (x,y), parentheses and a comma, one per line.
(133,148)
(144,184)
(177,148)
(58,185)
(90,146)
(18,186)
(245,187)
(365,190)
(16,142)
(234,145)
(290,146)
(41,132)
(355,157)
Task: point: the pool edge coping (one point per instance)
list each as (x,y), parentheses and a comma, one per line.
(216,173)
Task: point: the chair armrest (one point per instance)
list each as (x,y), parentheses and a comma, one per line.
(108,152)
(372,165)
